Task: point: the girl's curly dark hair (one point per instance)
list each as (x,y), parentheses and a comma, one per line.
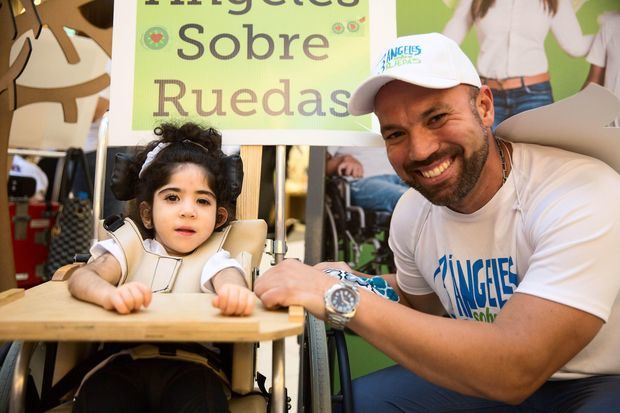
(189,143)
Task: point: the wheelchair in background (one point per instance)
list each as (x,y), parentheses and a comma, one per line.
(350,230)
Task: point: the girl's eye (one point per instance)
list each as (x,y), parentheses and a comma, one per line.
(171,197)
(203,201)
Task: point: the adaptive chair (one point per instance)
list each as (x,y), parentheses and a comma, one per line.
(60,332)
(348,228)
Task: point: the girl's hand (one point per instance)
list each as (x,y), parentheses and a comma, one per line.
(233,299)
(128,298)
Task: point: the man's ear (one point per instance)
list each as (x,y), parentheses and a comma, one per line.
(146,214)
(221,217)
(484,104)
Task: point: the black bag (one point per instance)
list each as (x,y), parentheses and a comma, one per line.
(73,231)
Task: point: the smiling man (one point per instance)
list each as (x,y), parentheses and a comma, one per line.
(515,242)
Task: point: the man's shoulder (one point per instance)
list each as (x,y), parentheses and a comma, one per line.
(548,176)
(411,205)
(559,162)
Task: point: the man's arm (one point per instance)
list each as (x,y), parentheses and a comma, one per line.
(426,303)
(506,360)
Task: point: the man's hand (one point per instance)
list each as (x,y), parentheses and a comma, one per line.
(340,265)
(127,298)
(233,299)
(293,283)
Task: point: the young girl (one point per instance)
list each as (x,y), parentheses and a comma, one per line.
(182,197)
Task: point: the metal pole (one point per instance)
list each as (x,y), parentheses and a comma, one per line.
(17,402)
(280,235)
(315,206)
(102,151)
(278,396)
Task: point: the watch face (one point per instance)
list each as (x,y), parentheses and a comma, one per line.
(343,300)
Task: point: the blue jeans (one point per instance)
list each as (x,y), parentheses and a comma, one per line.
(396,389)
(380,192)
(509,102)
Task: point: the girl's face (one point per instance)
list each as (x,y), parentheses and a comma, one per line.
(184,212)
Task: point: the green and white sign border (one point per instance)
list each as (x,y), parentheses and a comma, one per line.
(382,19)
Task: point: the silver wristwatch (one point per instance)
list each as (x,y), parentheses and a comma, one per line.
(341,302)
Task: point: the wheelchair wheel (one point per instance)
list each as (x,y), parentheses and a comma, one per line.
(315,388)
(330,234)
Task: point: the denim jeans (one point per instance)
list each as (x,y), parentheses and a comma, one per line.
(396,389)
(509,102)
(380,192)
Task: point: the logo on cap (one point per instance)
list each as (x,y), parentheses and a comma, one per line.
(399,56)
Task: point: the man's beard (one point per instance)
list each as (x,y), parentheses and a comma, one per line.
(470,173)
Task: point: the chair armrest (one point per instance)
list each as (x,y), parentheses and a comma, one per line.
(64,272)
(11,295)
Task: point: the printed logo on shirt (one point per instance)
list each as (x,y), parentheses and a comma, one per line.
(398,56)
(477,288)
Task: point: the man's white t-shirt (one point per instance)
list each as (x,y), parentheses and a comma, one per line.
(552,231)
(216,263)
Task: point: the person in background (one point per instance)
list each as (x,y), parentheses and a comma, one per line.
(604,56)
(375,185)
(512,59)
(23,167)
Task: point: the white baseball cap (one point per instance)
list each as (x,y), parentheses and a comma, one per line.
(429,60)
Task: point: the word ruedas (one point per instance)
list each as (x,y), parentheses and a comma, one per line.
(219,45)
(244,102)
(247,4)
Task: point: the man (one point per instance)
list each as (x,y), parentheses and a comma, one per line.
(374,184)
(516,242)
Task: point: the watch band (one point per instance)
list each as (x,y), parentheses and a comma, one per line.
(337,321)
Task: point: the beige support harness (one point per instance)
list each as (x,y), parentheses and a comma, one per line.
(166,274)
(244,240)
(163,273)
